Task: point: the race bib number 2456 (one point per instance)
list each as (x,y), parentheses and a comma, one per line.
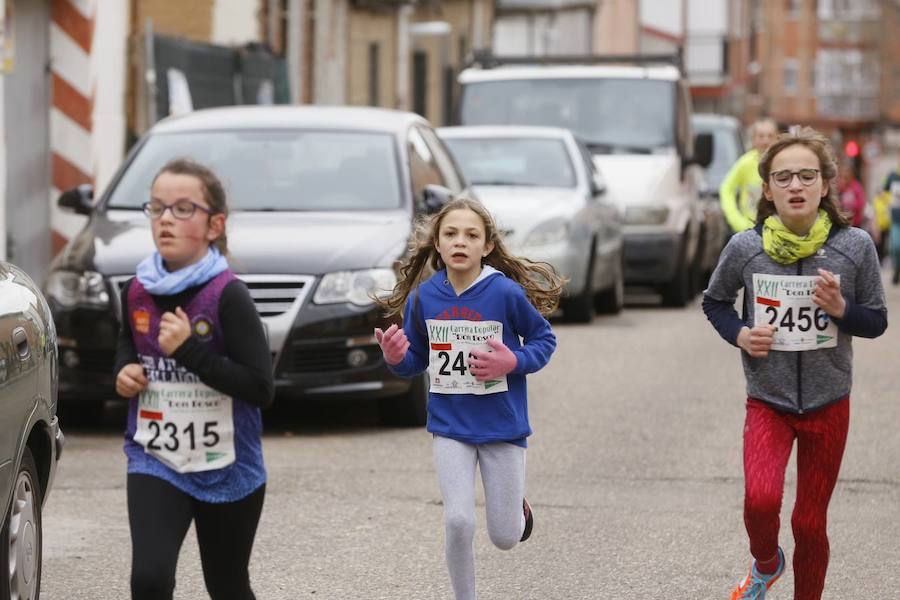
(785,301)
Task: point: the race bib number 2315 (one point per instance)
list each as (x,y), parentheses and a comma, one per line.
(186,426)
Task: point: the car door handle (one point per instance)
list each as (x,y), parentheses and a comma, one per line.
(20,341)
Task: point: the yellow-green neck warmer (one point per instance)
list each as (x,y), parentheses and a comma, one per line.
(786,247)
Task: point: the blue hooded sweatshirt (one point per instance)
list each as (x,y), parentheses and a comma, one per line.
(493,298)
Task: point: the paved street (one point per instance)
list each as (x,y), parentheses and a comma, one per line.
(634,473)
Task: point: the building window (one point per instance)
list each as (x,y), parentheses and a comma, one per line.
(790,77)
(373,74)
(792,8)
(420,82)
(849,10)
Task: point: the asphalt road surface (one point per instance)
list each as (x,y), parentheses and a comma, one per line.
(634,473)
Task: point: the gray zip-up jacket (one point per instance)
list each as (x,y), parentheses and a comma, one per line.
(799,382)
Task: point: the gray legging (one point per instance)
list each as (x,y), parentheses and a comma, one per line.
(503,476)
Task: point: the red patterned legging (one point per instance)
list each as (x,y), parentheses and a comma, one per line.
(768,438)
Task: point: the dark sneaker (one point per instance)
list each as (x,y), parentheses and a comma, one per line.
(529,520)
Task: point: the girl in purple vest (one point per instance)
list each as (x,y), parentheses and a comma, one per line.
(194,363)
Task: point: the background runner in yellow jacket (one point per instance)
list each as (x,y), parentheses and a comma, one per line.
(742,187)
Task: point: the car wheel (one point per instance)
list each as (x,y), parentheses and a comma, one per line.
(678,291)
(580,309)
(20,540)
(612,300)
(88,412)
(406,410)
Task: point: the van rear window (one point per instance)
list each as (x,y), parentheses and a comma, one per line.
(608,114)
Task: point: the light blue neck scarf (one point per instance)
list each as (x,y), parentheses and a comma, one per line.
(158,281)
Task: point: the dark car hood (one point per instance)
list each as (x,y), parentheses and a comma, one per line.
(272,242)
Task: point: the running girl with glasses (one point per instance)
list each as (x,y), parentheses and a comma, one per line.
(194,363)
(810,284)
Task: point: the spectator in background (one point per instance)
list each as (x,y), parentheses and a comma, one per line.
(852,195)
(882,205)
(742,187)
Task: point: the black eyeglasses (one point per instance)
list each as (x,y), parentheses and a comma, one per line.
(784,178)
(182,210)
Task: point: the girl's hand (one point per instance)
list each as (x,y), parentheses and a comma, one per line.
(174,329)
(494,363)
(757,341)
(394,344)
(827,294)
(131,380)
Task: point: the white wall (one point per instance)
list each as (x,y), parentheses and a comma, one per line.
(707,25)
(564,32)
(707,16)
(663,15)
(330,52)
(235,22)
(108,73)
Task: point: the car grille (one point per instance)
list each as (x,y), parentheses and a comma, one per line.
(321,358)
(273,295)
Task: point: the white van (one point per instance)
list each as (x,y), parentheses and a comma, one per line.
(634,114)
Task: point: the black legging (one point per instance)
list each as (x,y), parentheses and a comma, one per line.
(160,514)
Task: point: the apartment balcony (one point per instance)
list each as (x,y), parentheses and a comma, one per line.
(847,107)
(706,60)
(850,33)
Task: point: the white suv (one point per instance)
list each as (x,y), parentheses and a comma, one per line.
(635,117)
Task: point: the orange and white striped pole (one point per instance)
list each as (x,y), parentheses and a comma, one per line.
(71,41)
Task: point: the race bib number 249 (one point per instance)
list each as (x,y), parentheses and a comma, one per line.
(450,343)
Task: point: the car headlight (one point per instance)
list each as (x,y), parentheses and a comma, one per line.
(356,287)
(70,288)
(548,232)
(646,215)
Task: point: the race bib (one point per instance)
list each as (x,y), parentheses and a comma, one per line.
(187,426)
(785,301)
(450,343)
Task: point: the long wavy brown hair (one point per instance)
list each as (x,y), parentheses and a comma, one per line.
(819,145)
(542,285)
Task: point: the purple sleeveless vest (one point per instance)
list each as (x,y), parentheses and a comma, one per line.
(247,472)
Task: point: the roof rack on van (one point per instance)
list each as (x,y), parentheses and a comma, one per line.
(486,60)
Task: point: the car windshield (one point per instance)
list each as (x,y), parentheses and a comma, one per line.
(726,151)
(610,115)
(276,170)
(514,161)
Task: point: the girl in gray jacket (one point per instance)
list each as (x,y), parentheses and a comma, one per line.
(810,284)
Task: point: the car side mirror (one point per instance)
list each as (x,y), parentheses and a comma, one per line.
(79,199)
(703,150)
(434,197)
(598,185)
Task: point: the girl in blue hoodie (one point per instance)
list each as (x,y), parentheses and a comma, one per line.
(477,326)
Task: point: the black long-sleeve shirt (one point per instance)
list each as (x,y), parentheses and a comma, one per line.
(245,371)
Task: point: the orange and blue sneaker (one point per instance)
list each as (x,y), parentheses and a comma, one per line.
(756,584)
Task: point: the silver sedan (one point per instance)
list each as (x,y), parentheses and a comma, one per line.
(30,438)
(548,199)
